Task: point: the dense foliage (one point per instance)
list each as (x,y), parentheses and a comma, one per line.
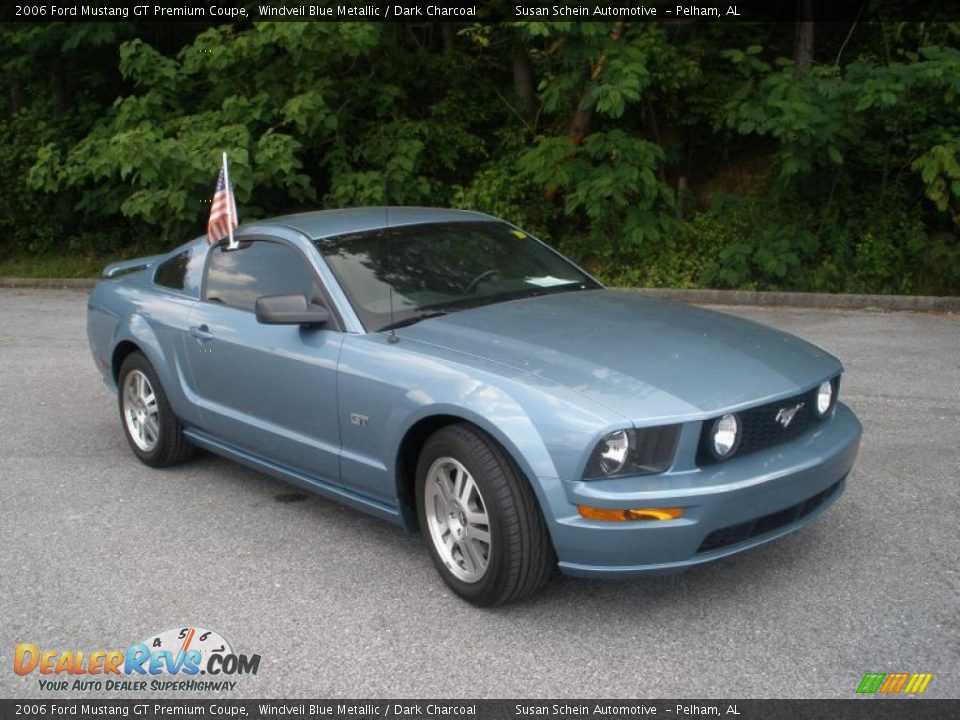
(685,154)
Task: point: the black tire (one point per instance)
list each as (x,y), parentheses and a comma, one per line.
(170,447)
(520,557)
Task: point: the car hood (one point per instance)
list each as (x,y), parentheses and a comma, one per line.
(647,359)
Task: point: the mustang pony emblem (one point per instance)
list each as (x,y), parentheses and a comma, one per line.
(786,415)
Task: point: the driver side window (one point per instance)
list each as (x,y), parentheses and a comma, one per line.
(238,277)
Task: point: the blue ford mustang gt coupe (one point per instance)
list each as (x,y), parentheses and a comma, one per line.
(446,371)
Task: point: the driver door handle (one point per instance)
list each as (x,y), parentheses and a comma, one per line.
(201,332)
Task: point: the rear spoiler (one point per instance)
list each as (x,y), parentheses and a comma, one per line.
(128,266)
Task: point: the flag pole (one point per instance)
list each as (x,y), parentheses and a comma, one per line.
(229,191)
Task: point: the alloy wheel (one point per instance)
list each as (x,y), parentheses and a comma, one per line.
(140,412)
(457,518)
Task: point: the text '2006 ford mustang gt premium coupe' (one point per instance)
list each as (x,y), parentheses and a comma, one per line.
(446,371)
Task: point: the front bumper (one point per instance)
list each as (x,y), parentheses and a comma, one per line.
(727,508)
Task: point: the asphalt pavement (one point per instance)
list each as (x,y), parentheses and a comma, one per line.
(99,552)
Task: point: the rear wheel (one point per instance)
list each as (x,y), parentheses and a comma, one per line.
(153,431)
(480,518)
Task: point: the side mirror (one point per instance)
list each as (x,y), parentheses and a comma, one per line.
(290,310)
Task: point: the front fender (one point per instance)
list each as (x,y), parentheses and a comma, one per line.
(386,389)
(514,431)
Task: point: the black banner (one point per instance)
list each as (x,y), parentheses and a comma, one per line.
(230,11)
(144,709)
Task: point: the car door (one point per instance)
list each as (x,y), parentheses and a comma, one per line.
(266,389)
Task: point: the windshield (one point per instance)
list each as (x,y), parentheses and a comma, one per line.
(443,267)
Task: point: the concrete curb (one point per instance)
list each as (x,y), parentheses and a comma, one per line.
(910,303)
(48,283)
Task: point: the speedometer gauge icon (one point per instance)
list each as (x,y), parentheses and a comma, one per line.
(190,637)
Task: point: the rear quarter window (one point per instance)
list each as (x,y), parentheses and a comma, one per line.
(182,272)
(172,273)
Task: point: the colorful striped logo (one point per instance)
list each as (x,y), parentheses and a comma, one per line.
(894,683)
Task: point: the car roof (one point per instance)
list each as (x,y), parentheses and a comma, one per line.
(329,223)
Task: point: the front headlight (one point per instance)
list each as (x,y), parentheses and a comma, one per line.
(725,436)
(825,396)
(633,452)
(613,450)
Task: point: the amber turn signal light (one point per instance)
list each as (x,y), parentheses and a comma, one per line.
(617,515)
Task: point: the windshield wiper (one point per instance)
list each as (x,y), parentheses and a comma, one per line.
(414,319)
(553,290)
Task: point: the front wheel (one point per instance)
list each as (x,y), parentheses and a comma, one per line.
(480,518)
(153,431)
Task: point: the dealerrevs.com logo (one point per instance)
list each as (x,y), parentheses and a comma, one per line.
(173,659)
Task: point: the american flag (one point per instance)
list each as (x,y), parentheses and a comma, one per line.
(223,211)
